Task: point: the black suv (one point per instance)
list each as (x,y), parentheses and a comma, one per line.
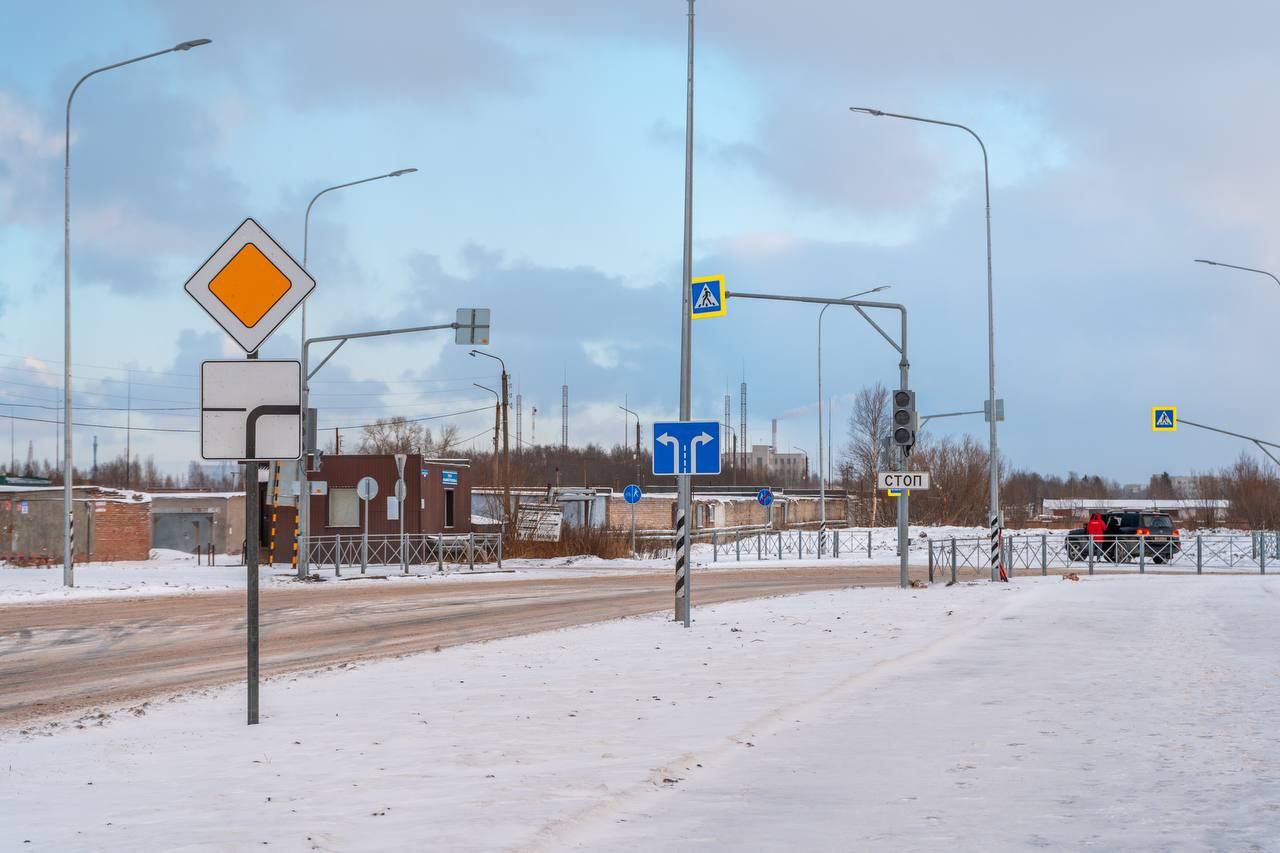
(1124,530)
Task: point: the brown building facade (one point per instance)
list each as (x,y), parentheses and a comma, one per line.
(437,495)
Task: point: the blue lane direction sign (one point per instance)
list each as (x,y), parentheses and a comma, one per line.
(632,494)
(686,447)
(765,497)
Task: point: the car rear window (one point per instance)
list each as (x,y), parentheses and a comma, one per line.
(1157,522)
(1129,519)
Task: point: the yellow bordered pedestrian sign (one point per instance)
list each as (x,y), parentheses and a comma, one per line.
(1164,418)
(707,297)
(250,285)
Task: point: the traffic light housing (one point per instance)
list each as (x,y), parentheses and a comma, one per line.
(905,420)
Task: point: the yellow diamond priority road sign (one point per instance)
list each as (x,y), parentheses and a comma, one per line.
(250,285)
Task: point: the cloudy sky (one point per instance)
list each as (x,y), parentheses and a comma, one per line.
(1125,140)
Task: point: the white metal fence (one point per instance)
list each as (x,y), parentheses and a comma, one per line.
(759,543)
(1254,551)
(408,551)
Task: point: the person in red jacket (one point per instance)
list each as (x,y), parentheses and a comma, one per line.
(1095,528)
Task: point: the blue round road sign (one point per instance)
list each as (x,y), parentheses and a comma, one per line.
(765,497)
(632,494)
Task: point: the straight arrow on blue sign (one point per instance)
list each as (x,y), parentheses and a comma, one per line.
(686,447)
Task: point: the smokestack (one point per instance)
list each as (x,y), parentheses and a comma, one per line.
(774,441)
(744,445)
(724,435)
(564,416)
(519,422)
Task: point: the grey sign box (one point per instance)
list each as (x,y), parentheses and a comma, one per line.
(473,327)
(986,410)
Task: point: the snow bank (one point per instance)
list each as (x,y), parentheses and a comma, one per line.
(1116,713)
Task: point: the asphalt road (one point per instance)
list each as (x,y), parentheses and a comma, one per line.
(57,660)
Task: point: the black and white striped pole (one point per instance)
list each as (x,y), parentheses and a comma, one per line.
(683,591)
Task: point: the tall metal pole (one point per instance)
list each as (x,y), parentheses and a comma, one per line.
(68,553)
(996,527)
(302,525)
(683,543)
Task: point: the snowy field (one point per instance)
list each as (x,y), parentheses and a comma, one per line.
(1135,713)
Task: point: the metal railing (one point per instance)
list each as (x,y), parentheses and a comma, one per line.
(959,559)
(411,550)
(763,543)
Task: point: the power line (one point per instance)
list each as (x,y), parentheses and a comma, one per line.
(98,426)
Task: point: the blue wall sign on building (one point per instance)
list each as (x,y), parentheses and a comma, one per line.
(686,447)
(449,478)
(765,497)
(632,494)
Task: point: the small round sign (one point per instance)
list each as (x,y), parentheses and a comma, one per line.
(765,497)
(632,494)
(367,489)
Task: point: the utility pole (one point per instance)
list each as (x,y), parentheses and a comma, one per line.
(685,481)
(506,446)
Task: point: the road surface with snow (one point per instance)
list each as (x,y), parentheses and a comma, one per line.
(1135,713)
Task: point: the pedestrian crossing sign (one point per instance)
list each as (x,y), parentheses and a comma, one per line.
(707,297)
(1164,418)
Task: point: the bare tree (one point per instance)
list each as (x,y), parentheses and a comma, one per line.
(868,430)
(391,435)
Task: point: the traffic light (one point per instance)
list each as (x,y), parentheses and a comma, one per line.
(905,420)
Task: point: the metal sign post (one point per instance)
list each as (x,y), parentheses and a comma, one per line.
(632,494)
(251,534)
(366,490)
(401,491)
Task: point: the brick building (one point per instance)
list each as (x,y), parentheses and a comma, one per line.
(111,524)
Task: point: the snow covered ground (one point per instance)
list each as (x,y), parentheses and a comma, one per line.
(1115,713)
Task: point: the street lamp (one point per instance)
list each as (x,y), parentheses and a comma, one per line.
(998,560)
(636,455)
(506,435)
(306,222)
(302,523)
(497,409)
(822,487)
(806,459)
(68,550)
(1234,267)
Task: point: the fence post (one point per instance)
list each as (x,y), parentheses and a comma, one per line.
(759,536)
(337,555)
(1044,554)
(471,552)
(715,547)
(499,548)
(1007,542)
(439,552)
(799,544)
(1142,555)
(779,544)
(953,559)
(930,561)
(737,545)
(1092,547)
(868,543)
(1262,556)
(404,554)
(1199,556)
(835,544)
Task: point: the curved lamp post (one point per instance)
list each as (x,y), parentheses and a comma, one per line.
(68,546)
(997,566)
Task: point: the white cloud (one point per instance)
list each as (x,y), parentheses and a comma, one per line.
(603,353)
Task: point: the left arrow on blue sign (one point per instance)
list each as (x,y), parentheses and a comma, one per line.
(686,447)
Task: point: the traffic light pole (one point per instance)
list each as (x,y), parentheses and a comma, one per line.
(904,367)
